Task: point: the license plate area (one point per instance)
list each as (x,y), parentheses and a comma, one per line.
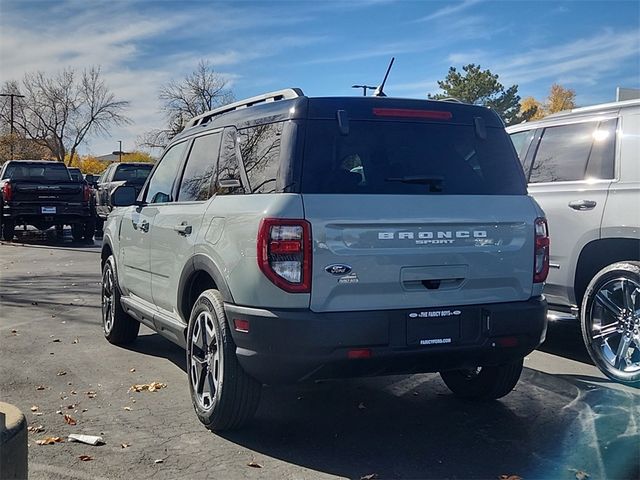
(438,326)
(48,210)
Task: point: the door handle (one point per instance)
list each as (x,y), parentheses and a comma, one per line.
(144,226)
(583,204)
(183,229)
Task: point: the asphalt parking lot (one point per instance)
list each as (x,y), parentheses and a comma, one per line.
(563,419)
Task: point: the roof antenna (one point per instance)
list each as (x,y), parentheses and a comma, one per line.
(379,92)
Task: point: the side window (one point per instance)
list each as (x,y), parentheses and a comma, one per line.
(161,183)
(200,168)
(260,151)
(521,142)
(105,175)
(602,158)
(228,165)
(565,151)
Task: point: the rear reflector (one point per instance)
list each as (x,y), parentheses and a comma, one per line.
(359,353)
(408,113)
(241,325)
(507,341)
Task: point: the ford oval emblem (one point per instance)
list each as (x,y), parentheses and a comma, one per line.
(338,269)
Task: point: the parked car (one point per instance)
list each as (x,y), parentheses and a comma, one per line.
(256,246)
(116,174)
(42,194)
(583,167)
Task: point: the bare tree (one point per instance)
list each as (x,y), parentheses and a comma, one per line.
(60,112)
(198,92)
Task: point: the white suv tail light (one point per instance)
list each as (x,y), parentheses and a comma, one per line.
(284,253)
(541,255)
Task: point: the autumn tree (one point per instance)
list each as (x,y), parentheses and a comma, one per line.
(198,92)
(532,108)
(559,99)
(138,156)
(61,111)
(481,87)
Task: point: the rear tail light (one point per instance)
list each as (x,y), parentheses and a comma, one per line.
(86,193)
(7,192)
(541,255)
(284,253)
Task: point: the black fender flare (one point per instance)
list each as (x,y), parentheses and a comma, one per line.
(201,262)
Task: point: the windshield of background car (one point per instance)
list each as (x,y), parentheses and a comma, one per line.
(132,173)
(37,172)
(412,158)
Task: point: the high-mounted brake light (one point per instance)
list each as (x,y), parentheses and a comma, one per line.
(541,255)
(7,191)
(410,113)
(284,253)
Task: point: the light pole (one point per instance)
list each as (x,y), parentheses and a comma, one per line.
(119,152)
(13,130)
(364,88)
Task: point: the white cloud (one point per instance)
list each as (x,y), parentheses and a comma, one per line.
(449,10)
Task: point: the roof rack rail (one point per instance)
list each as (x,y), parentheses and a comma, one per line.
(285,94)
(451,99)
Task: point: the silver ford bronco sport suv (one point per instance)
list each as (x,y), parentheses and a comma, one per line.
(287,238)
(583,167)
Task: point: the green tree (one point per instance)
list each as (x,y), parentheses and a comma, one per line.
(481,87)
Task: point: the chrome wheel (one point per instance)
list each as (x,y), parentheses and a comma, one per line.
(108,311)
(614,324)
(205,365)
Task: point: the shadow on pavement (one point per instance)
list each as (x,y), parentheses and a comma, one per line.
(48,239)
(564,339)
(411,426)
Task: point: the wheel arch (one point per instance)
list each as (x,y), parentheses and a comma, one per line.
(598,254)
(198,275)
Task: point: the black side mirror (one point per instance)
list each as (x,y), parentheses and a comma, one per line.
(123,196)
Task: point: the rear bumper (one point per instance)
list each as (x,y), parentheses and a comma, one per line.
(287,346)
(31,213)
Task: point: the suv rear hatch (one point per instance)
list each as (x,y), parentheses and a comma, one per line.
(415,211)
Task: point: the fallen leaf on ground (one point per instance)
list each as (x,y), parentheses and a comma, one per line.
(70,420)
(509,477)
(361,406)
(85,458)
(34,303)
(580,474)
(125,445)
(159,460)
(61,373)
(75,340)
(34,409)
(38,413)
(91,394)
(40,387)
(128,409)
(73,392)
(59,412)
(371,476)
(14,332)
(56,340)
(35,428)
(254,465)
(151,387)
(70,407)
(49,440)
(132,370)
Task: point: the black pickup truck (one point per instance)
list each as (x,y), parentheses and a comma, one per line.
(116,174)
(43,194)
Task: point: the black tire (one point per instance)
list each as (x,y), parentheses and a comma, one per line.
(612,299)
(77,232)
(8,230)
(484,383)
(99,224)
(223,395)
(89,230)
(119,328)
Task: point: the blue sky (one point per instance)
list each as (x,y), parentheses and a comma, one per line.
(323,47)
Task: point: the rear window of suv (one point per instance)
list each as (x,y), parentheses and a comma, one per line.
(411,158)
(132,173)
(37,172)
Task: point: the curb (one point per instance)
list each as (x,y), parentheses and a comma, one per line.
(13,443)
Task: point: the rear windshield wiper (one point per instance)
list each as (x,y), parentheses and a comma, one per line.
(434,182)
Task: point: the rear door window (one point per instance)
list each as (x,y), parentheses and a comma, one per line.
(260,151)
(378,157)
(575,152)
(200,169)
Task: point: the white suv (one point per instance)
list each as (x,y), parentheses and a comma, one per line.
(583,168)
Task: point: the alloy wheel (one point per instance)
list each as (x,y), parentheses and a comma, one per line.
(205,369)
(614,324)
(108,312)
